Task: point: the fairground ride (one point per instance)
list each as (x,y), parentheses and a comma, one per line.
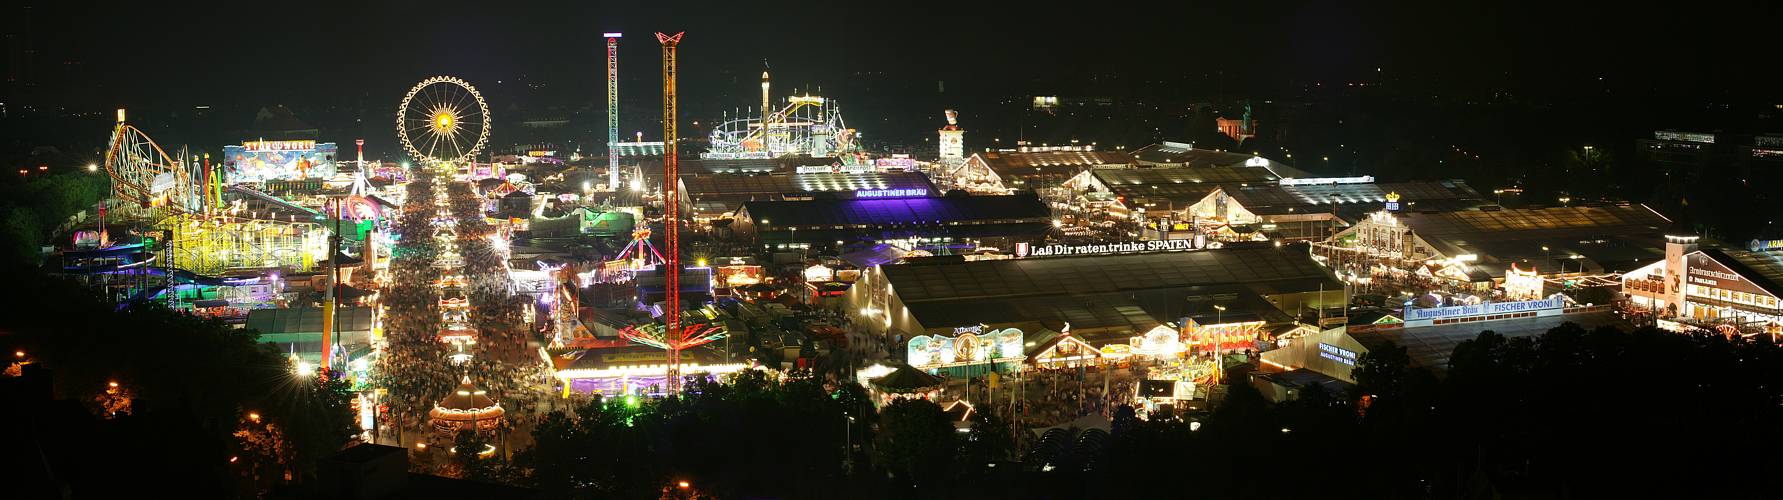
(443,120)
(807,125)
(171,200)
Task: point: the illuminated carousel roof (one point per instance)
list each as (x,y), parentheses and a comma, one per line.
(466,404)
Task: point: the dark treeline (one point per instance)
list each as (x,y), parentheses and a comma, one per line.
(200,409)
(1573,413)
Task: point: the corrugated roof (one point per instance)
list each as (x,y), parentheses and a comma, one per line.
(306,320)
(1614,237)
(717,186)
(1178,153)
(1134,292)
(1581,222)
(1013,208)
(1181,155)
(1183,185)
(1102,274)
(1764,269)
(1031,162)
(1417,195)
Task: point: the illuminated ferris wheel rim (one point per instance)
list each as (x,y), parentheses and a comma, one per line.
(441,117)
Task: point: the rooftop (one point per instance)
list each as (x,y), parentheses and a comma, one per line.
(1262,196)
(1181,154)
(746,187)
(1098,274)
(950,210)
(1431,346)
(1133,293)
(1027,163)
(1764,269)
(306,320)
(1615,237)
(1183,185)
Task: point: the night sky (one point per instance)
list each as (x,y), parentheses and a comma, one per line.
(544,55)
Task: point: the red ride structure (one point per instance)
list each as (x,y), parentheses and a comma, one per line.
(671,220)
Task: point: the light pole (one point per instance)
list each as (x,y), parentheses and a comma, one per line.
(848,443)
(1219,313)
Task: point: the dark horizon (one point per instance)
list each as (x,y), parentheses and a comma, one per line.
(225,54)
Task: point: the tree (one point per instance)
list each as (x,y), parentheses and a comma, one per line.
(916,441)
(989,441)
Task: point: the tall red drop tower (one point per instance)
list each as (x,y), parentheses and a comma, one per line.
(671,204)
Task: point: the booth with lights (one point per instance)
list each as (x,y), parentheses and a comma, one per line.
(625,368)
(969,352)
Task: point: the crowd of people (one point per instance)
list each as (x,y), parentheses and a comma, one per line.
(1046,397)
(415,366)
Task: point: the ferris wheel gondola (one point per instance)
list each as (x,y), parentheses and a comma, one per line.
(443,119)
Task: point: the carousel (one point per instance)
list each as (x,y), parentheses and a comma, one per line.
(468,408)
(904,382)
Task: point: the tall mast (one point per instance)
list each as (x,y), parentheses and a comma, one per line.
(613,111)
(764,110)
(671,204)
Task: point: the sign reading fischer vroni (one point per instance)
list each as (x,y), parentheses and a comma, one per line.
(1483,309)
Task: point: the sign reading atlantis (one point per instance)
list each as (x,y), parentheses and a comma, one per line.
(1489,308)
(1025,250)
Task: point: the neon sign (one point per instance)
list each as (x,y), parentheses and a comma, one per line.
(1337,354)
(1315,181)
(1416,313)
(259,146)
(891,193)
(1025,250)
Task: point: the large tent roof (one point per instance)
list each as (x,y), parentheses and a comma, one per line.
(906,379)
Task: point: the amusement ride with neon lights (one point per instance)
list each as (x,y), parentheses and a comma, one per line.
(443,119)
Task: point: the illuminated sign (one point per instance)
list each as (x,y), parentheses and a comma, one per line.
(1025,250)
(891,193)
(969,346)
(612,35)
(1393,201)
(264,161)
(904,163)
(1711,277)
(1667,135)
(1483,309)
(1764,245)
(834,169)
(1314,181)
(1702,270)
(1337,354)
(262,146)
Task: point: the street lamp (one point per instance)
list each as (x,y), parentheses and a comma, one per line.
(1219,312)
(848,442)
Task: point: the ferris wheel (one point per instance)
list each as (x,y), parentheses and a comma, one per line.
(443,119)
